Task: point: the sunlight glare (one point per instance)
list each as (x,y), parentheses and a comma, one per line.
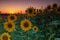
(11,11)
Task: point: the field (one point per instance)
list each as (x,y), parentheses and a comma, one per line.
(35,26)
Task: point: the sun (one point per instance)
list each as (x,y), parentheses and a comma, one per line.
(11,11)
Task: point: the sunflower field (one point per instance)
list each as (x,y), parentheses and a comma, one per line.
(36,24)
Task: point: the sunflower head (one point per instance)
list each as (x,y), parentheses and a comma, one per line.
(35,28)
(12,18)
(9,26)
(39,12)
(5,36)
(25,25)
(54,7)
(49,8)
(31,12)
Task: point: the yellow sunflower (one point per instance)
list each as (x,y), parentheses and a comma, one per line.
(31,12)
(9,26)
(5,36)
(12,17)
(25,25)
(35,28)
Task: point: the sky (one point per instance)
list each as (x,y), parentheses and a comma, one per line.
(22,5)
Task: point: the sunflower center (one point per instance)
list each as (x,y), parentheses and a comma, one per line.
(54,5)
(9,25)
(49,7)
(5,37)
(58,10)
(26,24)
(34,28)
(12,17)
(30,10)
(34,13)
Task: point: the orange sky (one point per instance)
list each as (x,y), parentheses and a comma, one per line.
(12,10)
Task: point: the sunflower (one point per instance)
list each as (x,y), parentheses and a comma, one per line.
(54,7)
(49,8)
(39,12)
(5,36)
(12,17)
(25,25)
(35,28)
(9,26)
(31,12)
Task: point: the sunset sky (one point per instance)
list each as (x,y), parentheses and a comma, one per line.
(21,5)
